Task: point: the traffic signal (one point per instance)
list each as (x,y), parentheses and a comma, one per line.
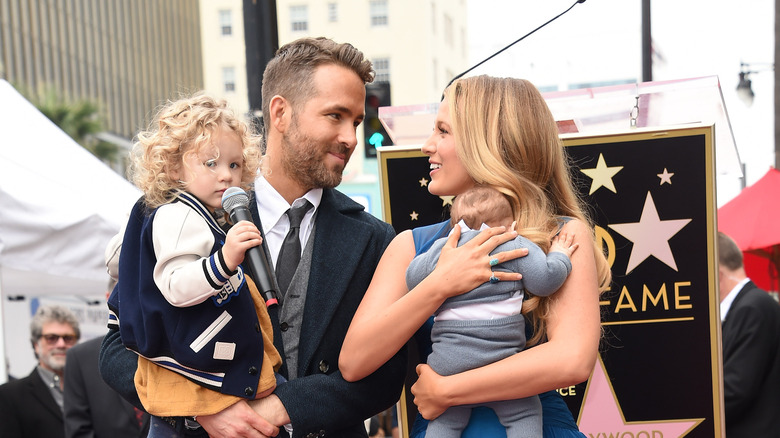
(377,95)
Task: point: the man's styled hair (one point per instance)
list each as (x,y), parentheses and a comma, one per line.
(289,73)
(729,254)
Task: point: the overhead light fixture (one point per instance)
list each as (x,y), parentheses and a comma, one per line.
(745,85)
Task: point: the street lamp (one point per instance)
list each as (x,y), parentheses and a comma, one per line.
(745,85)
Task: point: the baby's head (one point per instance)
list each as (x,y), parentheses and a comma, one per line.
(182,129)
(482,204)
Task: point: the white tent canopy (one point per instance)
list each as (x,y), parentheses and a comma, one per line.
(59,206)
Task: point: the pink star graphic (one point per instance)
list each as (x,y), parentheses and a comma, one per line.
(601,416)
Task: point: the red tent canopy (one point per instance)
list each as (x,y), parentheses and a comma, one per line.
(752,219)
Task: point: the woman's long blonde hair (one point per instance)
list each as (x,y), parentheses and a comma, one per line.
(507,138)
(182,128)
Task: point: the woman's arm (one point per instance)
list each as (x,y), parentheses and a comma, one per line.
(390,314)
(567,358)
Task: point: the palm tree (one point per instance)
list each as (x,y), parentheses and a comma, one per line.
(80,119)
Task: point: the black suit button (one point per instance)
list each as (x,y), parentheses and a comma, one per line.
(249,391)
(253,371)
(324,366)
(257,328)
(284,326)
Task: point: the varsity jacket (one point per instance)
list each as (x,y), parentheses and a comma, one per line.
(213,338)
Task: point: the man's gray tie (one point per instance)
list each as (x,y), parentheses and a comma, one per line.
(290,253)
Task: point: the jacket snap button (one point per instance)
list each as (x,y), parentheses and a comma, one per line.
(284,326)
(253,371)
(248,391)
(324,366)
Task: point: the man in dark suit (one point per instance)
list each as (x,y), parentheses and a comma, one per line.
(31,407)
(92,408)
(751,349)
(313,101)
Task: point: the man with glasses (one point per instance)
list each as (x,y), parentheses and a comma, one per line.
(32,407)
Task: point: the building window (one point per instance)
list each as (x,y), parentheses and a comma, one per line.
(333,12)
(435,74)
(463,41)
(299,18)
(433,18)
(378,12)
(382,69)
(229,79)
(225,22)
(449,37)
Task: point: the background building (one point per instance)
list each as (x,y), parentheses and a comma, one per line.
(128,56)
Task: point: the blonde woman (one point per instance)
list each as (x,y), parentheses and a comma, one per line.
(497,132)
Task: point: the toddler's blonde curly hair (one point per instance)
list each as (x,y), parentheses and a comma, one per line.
(180,129)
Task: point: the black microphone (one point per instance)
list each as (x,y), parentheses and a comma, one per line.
(236,203)
(512,44)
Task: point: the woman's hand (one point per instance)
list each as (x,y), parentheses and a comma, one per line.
(462,268)
(430,403)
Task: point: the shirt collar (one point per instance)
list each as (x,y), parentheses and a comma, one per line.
(725,305)
(49,378)
(273,206)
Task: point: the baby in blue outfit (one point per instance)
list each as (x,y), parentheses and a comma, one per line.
(485,325)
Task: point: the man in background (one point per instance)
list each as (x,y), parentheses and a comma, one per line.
(751,349)
(31,407)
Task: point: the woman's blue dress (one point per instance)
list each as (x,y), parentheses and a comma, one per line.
(557,421)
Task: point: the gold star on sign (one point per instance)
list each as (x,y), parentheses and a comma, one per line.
(423,182)
(602,175)
(414,215)
(446,200)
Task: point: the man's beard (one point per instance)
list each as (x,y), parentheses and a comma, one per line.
(303,160)
(55,364)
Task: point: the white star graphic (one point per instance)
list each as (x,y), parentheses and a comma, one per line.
(446,200)
(666,177)
(423,182)
(602,416)
(414,215)
(650,236)
(602,175)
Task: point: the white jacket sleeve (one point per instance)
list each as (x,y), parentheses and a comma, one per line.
(182,240)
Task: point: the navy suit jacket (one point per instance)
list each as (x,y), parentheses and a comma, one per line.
(92,408)
(28,410)
(348,244)
(751,365)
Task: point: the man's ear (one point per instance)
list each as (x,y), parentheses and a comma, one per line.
(280,110)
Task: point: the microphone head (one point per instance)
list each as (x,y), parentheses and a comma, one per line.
(234,197)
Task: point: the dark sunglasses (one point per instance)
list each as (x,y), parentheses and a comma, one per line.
(52,339)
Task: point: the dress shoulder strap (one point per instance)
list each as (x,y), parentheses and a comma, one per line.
(425,236)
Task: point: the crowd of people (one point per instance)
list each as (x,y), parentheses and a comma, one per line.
(194,350)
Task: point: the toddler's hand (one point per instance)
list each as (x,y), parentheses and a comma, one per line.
(239,239)
(564,242)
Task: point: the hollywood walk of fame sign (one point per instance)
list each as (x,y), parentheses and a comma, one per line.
(650,193)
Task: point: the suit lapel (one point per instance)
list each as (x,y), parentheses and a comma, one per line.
(740,296)
(41,392)
(338,245)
